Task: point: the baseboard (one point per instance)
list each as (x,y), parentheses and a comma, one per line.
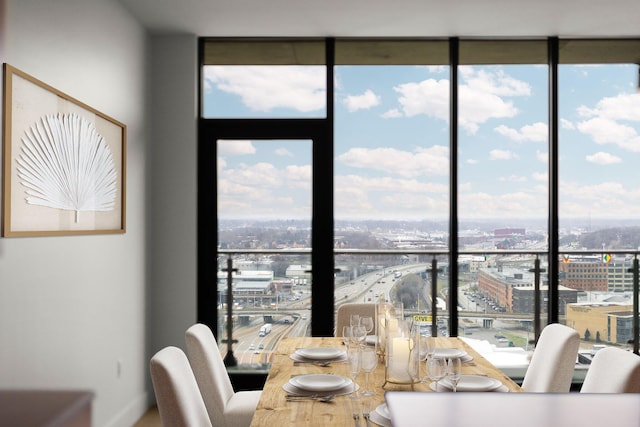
(131,413)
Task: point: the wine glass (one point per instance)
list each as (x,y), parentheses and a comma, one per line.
(368,361)
(354,320)
(367,322)
(437,369)
(346,336)
(354,357)
(454,371)
(358,335)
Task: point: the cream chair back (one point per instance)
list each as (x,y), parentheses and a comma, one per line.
(177,395)
(553,361)
(613,370)
(225,406)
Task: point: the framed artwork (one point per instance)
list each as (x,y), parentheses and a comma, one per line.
(63,163)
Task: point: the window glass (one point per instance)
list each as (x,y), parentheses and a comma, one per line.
(264,203)
(599,128)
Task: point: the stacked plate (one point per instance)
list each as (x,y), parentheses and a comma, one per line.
(324,354)
(470,383)
(319,385)
(381,416)
(452,353)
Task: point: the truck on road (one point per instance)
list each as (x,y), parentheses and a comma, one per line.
(264,330)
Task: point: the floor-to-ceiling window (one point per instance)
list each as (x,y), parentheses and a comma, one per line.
(347,170)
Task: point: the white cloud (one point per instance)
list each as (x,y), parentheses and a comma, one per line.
(283,152)
(542,156)
(481,96)
(625,106)
(502,155)
(472,162)
(540,176)
(429,97)
(392,114)
(236,147)
(537,132)
(603,200)
(513,178)
(566,124)
(264,88)
(361,102)
(607,131)
(603,123)
(422,161)
(602,158)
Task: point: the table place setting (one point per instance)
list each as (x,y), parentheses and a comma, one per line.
(381,416)
(452,353)
(470,383)
(319,385)
(319,355)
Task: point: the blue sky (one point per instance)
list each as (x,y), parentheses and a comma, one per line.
(392,141)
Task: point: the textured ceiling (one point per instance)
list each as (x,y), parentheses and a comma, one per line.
(391,18)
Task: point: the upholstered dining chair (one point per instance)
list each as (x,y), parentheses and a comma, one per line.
(553,360)
(177,395)
(613,370)
(225,406)
(343,315)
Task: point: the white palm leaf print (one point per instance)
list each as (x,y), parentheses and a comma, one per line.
(66,164)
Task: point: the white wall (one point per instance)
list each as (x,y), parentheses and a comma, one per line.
(173,162)
(72,307)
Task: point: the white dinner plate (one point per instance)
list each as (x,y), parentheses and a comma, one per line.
(378,416)
(473,383)
(320,353)
(320,382)
(448,353)
(383,411)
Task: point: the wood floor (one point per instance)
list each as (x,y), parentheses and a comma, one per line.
(150,419)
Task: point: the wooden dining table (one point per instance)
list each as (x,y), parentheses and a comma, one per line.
(275,410)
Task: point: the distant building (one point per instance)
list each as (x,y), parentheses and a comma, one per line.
(514,290)
(299,273)
(506,238)
(247,283)
(584,273)
(509,233)
(591,273)
(607,322)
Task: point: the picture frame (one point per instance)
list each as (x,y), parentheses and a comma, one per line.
(64,163)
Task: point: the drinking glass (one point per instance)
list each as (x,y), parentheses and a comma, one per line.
(354,356)
(354,320)
(437,369)
(369,361)
(367,322)
(454,371)
(358,335)
(346,336)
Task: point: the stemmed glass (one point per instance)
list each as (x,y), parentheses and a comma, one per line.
(367,322)
(354,320)
(369,361)
(358,335)
(437,369)
(454,371)
(354,356)
(346,336)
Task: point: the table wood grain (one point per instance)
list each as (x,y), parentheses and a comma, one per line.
(274,411)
